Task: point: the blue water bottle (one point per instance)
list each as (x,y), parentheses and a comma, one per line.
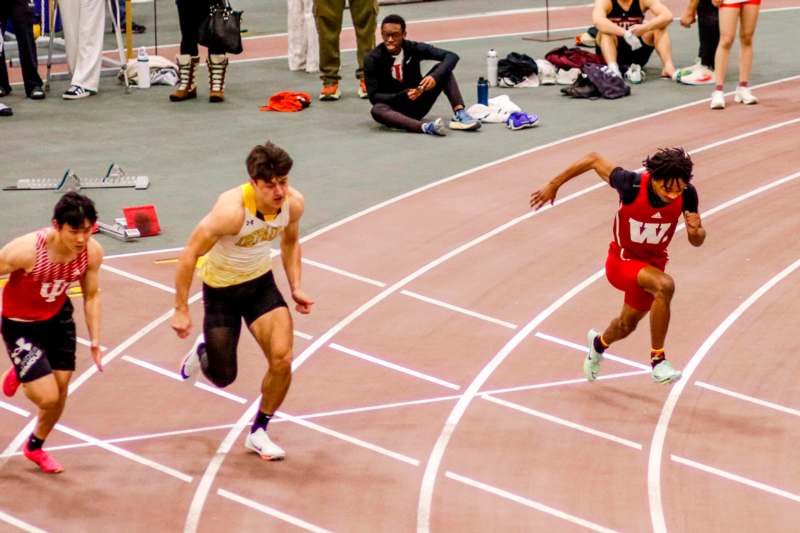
(483,91)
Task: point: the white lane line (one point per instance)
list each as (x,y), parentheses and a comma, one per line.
(140,279)
(339,412)
(751,399)
(437,453)
(461,310)
(92,370)
(177,377)
(16,522)
(124,453)
(204,486)
(347,438)
(393,366)
(146,252)
(582,348)
(528,502)
(153,368)
(302,335)
(87,342)
(302,524)
(220,392)
(737,478)
(137,438)
(576,381)
(343,273)
(660,433)
(14,409)
(563,422)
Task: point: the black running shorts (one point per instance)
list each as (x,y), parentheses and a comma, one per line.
(38,348)
(227,306)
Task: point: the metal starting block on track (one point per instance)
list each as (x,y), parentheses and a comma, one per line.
(118,230)
(115,178)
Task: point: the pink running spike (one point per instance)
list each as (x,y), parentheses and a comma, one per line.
(47,464)
(10,382)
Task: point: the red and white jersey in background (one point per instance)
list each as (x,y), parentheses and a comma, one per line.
(39,294)
(644,232)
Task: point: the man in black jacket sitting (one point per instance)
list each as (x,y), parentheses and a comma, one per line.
(400,95)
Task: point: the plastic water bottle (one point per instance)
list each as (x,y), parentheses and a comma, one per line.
(491,67)
(483,91)
(143,69)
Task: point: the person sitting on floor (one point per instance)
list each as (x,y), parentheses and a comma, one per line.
(624,38)
(400,95)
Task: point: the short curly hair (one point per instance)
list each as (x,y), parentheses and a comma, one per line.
(669,164)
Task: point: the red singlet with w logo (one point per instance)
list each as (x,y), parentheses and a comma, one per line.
(642,231)
(39,294)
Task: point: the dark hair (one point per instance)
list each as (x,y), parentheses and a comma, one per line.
(73,209)
(669,164)
(394,19)
(267,161)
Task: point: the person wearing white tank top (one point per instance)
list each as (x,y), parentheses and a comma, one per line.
(232,245)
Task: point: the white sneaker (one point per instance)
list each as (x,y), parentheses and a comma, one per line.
(191,361)
(700,76)
(664,373)
(744,96)
(717,100)
(634,74)
(591,365)
(259,442)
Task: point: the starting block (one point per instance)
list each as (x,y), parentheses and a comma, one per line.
(115,178)
(118,231)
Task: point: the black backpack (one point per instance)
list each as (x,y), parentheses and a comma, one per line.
(516,67)
(608,85)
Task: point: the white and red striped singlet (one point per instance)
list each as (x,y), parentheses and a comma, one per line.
(39,294)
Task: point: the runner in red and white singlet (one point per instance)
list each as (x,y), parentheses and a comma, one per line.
(651,203)
(37,325)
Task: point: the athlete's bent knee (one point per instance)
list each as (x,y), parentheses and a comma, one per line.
(665,287)
(221,377)
(281,364)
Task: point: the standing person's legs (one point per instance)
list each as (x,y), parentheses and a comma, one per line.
(296,35)
(708,31)
(747,28)
(312,37)
(22,17)
(191,14)
(328,15)
(728,20)
(365,19)
(90,44)
(70,11)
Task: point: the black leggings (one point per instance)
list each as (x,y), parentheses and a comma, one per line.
(708,29)
(407,116)
(225,308)
(191,13)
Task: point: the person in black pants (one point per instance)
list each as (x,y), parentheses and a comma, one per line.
(20,13)
(707,16)
(192,13)
(400,95)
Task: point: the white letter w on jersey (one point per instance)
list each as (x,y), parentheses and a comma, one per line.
(51,291)
(645,233)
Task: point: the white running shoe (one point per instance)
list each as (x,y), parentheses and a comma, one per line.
(591,365)
(191,361)
(664,373)
(744,96)
(717,100)
(700,76)
(634,74)
(258,441)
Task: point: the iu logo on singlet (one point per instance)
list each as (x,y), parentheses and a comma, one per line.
(648,232)
(51,291)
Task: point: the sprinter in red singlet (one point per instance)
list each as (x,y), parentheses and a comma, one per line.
(37,325)
(651,203)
